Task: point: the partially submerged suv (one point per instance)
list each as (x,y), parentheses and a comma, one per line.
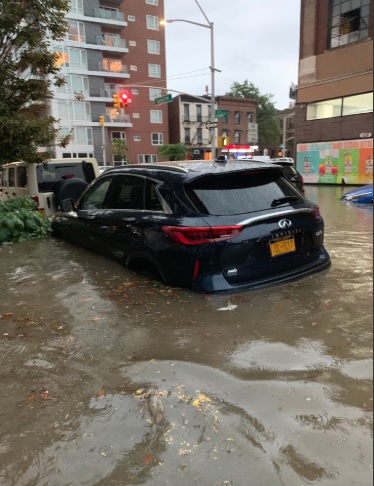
(48,184)
(200,225)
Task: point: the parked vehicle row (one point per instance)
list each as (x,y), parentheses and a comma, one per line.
(206,226)
(48,184)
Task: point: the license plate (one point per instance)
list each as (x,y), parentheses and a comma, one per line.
(282,246)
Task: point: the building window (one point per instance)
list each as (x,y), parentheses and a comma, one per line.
(71,57)
(74,110)
(154,70)
(157,139)
(112,65)
(225,119)
(237,117)
(199,134)
(237,137)
(154,93)
(153,22)
(76,7)
(199,113)
(76,31)
(186,112)
(250,117)
(75,84)
(153,47)
(349,21)
(147,159)
(79,135)
(119,136)
(156,116)
(187,135)
(131,18)
(151,2)
(353,105)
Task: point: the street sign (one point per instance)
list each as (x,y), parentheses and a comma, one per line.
(221,113)
(252,133)
(163,99)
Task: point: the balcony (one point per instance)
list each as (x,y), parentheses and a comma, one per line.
(113,66)
(109,14)
(111,43)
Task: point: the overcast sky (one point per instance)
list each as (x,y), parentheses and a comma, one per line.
(256,40)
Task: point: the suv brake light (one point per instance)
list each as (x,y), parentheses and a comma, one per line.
(316,214)
(196,236)
(36,200)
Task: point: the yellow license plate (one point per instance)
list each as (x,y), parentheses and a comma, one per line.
(282,246)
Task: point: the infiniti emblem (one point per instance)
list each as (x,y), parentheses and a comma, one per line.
(284,223)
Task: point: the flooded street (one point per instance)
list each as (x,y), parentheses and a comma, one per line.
(110,379)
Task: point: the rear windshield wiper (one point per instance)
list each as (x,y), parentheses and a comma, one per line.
(282,200)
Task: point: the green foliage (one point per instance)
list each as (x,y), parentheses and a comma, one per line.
(173,152)
(268,125)
(119,147)
(28,69)
(20,222)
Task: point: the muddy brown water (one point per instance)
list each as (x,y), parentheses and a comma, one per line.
(109,379)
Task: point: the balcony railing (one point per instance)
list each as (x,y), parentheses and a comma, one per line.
(109,14)
(112,66)
(117,118)
(110,42)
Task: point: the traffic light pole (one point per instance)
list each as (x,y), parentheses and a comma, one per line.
(103,144)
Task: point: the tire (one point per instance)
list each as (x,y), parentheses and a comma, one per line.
(69,189)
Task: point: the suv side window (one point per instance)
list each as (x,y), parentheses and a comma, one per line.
(152,200)
(12,177)
(128,193)
(96,196)
(21,176)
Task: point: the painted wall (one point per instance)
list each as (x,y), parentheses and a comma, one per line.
(336,162)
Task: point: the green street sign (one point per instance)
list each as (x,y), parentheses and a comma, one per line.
(164,99)
(221,113)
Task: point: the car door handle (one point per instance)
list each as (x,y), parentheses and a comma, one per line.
(128,220)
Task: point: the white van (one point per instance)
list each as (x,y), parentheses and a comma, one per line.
(48,184)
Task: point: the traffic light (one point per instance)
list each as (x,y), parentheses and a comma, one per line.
(116,100)
(124,98)
(101,120)
(225,141)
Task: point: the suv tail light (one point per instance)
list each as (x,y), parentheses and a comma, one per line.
(196,236)
(316,214)
(36,200)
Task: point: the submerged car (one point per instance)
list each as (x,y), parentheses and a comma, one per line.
(361,195)
(200,225)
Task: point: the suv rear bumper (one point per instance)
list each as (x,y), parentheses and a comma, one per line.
(217,283)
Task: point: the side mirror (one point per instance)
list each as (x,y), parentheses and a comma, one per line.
(67,206)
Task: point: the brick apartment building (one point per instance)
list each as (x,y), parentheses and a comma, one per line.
(236,129)
(112,46)
(334,105)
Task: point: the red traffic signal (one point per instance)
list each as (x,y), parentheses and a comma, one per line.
(124,98)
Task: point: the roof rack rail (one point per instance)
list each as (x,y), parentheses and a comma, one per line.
(155,166)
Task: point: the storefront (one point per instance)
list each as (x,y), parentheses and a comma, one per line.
(239,151)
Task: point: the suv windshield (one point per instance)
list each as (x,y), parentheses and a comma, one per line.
(49,174)
(240,193)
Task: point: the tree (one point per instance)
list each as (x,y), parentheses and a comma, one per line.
(28,69)
(268,124)
(119,147)
(173,152)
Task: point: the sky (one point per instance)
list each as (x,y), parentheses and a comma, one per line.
(254,40)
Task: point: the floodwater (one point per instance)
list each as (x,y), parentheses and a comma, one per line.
(109,379)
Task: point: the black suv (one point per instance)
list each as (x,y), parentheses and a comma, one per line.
(200,225)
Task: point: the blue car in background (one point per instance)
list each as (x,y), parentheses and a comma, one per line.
(361,195)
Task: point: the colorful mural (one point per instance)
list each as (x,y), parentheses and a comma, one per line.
(344,162)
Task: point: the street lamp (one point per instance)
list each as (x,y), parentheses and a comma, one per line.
(208,25)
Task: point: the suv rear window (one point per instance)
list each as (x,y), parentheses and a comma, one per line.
(49,174)
(239,193)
